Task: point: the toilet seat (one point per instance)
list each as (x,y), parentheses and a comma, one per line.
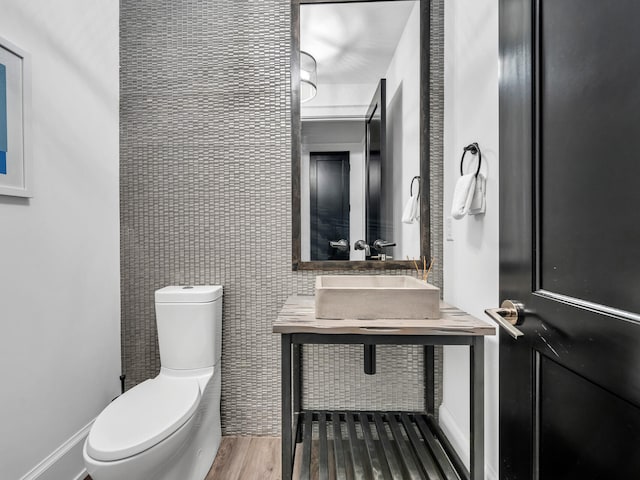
(142,417)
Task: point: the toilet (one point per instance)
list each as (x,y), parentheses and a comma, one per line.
(168,428)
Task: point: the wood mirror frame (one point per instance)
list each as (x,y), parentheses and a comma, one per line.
(296,150)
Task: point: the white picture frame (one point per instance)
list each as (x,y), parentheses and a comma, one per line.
(16,173)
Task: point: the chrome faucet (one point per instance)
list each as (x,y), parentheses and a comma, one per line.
(380,244)
(362,245)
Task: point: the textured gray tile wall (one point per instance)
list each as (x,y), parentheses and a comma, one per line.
(205,199)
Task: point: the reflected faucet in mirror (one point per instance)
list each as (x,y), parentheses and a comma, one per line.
(341,245)
(362,245)
(363,138)
(379,245)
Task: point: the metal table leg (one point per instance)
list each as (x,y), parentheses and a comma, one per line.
(477,408)
(287,436)
(297,389)
(429,380)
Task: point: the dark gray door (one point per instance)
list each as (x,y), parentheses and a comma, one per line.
(329,202)
(570,238)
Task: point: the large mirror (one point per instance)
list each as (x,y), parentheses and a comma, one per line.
(360,140)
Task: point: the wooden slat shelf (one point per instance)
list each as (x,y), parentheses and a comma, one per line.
(298,316)
(345,445)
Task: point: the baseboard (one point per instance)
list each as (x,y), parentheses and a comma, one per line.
(490,474)
(65,462)
(84,474)
(460,441)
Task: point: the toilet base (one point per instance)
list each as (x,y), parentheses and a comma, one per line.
(187,454)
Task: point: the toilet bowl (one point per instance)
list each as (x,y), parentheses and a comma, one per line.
(167,428)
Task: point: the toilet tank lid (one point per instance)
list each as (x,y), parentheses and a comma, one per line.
(189,294)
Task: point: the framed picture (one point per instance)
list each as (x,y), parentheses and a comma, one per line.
(15,126)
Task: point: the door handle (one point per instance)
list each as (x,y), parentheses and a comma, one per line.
(510,314)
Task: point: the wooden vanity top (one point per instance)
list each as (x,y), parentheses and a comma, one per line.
(298,316)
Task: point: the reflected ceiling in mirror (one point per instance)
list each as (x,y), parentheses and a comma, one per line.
(347,188)
(354,45)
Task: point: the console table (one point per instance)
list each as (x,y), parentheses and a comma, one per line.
(374,444)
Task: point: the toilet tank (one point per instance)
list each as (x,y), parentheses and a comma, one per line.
(189,321)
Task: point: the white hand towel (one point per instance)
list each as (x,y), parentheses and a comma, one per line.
(463,195)
(411,212)
(478,203)
(415,212)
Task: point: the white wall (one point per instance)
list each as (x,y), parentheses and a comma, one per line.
(59,251)
(403,130)
(471,260)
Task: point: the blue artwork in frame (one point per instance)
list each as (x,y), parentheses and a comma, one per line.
(3,119)
(15,114)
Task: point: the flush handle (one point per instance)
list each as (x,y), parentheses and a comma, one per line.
(510,314)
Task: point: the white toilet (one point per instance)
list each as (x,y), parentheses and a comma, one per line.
(168,428)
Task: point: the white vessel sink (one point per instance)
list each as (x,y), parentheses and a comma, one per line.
(375,297)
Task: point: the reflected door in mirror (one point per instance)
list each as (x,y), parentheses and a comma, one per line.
(379,172)
(329,204)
